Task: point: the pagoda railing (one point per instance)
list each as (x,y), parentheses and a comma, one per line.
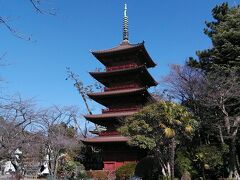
(111,110)
(108,133)
(121,87)
(127,66)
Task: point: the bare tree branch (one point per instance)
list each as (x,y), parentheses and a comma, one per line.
(37,3)
(82,90)
(4,22)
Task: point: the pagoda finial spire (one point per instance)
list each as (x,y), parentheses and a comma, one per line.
(125,24)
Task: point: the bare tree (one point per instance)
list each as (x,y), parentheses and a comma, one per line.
(17,119)
(16,116)
(183,82)
(59,137)
(37,133)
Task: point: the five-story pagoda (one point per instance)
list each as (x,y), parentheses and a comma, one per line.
(126,80)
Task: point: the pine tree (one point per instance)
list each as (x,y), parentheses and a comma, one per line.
(224,33)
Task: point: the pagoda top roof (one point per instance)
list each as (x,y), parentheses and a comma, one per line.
(105,139)
(123,48)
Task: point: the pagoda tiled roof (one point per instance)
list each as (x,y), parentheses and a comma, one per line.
(107,116)
(105,139)
(123,48)
(103,76)
(107,98)
(116,92)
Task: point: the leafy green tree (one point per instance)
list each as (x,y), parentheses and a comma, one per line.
(184,163)
(224,33)
(219,63)
(210,157)
(160,127)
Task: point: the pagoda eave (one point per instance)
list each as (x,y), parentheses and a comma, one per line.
(107,116)
(109,98)
(105,139)
(141,71)
(116,92)
(124,49)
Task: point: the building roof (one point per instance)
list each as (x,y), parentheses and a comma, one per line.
(106,77)
(105,139)
(107,116)
(125,48)
(134,95)
(115,92)
(121,47)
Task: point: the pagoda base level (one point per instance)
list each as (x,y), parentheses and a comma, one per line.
(113,156)
(113,165)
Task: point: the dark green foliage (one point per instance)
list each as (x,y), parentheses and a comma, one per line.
(126,171)
(184,163)
(73,170)
(221,67)
(210,156)
(205,161)
(159,127)
(224,33)
(147,168)
(158,123)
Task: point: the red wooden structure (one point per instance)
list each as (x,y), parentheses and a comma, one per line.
(126,80)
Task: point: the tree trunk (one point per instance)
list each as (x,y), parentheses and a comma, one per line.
(238,158)
(203,172)
(233,172)
(49,163)
(172,157)
(55,168)
(221,134)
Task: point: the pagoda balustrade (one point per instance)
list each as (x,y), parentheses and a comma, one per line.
(108,133)
(129,86)
(111,110)
(126,66)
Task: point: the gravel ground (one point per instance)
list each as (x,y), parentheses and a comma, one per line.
(8,177)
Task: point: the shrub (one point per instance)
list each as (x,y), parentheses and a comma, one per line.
(126,171)
(147,168)
(184,164)
(98,174)
(210,156)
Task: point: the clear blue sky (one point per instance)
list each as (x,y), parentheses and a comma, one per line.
(172,30)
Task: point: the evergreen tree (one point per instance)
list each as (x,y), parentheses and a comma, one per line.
(218,64)
(224,33)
